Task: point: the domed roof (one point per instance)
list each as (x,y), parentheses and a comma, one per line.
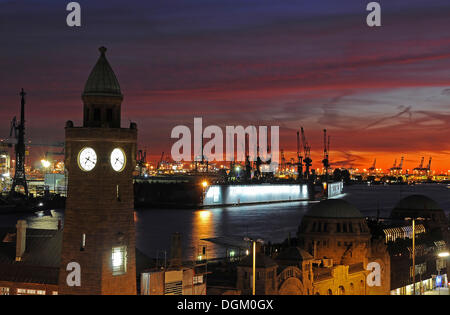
(417,202)
(102,80)
(334,208)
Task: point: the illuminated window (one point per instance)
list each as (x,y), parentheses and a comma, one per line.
(198,279)
(21,291)
(30,292)
(83,241)
(4,291)
(119,260)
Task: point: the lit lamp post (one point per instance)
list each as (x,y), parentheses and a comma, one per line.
(254,261)
(414,250)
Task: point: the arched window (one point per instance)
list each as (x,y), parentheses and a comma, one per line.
(341,290)
(330,292)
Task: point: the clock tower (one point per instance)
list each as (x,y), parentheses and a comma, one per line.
(99,231)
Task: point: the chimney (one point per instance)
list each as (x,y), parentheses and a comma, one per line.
(175,250)
(21,238)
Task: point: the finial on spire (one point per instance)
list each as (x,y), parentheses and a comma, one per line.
(102,50)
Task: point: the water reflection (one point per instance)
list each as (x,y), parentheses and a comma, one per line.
(203,227)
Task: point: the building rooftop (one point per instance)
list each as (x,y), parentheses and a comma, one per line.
(40,262)
(293,256)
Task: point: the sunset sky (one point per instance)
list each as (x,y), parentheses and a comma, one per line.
(381,92)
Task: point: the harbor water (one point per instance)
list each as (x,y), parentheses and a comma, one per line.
(270,222)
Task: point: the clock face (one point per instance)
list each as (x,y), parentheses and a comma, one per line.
(118,160)
(87,158)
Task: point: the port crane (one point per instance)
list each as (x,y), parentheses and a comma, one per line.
(400,167)
(373,167)
(307,154)
(397,168)
(420,166)
(429,166)
(299,159)
(326,150)
(18,130)
(283,160)
(394,166)
(141,160)
(160,161)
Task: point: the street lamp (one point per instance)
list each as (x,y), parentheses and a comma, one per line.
(414,249)
(254,261)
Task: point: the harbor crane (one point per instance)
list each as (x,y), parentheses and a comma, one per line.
(429,166)
(326,150)
(299,159)
(307,154)
(18,130)
(397,169)
(421,169)
(160,161)
(141,160)
(283,160)
(394,166)
(420,166)
(373,167)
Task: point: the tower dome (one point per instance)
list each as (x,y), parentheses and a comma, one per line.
(334,208)
(102,97)
(415,206)
(102,80)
